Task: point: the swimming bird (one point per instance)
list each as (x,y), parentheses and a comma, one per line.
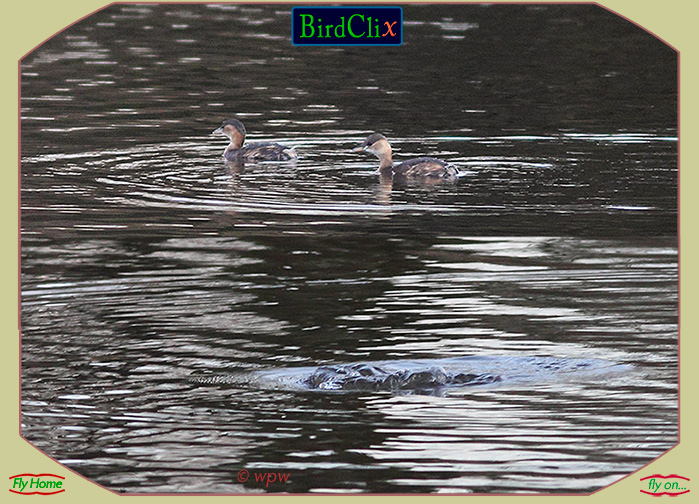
(417,168)
(262,151)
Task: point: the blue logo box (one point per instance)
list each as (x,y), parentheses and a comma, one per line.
(347,26)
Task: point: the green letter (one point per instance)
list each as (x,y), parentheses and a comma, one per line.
(304,25)
(349,26)
(342,27)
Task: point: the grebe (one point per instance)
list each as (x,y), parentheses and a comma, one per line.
(236,151)
(422,167)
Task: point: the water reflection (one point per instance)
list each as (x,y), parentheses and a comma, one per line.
(147,260)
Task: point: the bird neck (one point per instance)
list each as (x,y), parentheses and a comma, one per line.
(237,140)
(385,162)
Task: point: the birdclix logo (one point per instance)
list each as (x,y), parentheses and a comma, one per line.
(347,26)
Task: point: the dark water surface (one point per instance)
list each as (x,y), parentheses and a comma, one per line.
(147,262)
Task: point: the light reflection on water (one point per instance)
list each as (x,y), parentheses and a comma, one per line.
(146,259)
